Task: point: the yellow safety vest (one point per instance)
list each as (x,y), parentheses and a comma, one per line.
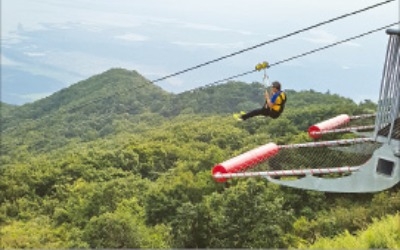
(279,104)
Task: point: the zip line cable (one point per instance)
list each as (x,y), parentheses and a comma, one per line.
(254,70)
(306,53)
(272,40)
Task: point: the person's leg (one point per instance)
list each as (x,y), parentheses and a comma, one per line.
(262,111)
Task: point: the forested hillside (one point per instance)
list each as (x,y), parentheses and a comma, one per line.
(116,162)
(6,109)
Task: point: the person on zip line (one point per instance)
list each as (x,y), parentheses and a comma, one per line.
(273,107)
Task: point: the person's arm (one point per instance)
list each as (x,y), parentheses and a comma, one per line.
(268,100)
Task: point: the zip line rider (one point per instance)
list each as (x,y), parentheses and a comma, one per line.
(273,106)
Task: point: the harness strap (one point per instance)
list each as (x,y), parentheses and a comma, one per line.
(283,99)
(282,104)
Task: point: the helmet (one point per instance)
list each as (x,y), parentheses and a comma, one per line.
(277,85)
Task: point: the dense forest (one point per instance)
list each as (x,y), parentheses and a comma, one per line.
(115,161)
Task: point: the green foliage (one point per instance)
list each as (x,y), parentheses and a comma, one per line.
(124,228)
(6,109)
(172,190)
(249,214)
(116,162)
(382,234)
(35,233)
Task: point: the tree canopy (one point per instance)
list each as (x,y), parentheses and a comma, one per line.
(116,162)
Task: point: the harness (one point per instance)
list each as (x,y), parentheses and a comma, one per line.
(282,95)
(276,113)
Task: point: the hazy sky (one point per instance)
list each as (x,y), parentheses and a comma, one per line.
(47,45)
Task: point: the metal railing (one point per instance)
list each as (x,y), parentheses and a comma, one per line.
(389,97)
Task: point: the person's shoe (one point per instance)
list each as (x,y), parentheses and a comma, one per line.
(238,116)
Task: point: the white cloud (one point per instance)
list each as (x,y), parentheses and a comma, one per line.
(210,45)
(203,27)
(32,97)
(321,37)
(10,39)
(174,81)
(132,37)
(206,27)
(352,44)
(344,67)
(324,37)
(7,62)
(34,54)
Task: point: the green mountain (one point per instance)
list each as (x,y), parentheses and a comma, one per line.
(83,111)
(119,101)
(116,90)
(116,162)
(6,109)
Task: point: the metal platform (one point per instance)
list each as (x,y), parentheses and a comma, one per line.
(382,170)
